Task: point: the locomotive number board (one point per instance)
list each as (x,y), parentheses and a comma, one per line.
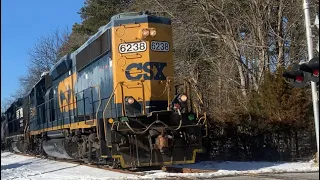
(134,47)
(161,46)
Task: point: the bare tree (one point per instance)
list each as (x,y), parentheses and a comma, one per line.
(45,53)
(5,104)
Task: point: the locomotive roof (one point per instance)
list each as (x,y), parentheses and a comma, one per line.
(119,19)
(101,30)
(126,18)
(64,64)
(34,86)
(3,117)
(67,61)
(16,103)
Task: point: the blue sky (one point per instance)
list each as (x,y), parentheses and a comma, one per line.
(22,23)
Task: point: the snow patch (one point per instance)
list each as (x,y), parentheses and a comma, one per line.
(24,168)
(237,168)
(28,168)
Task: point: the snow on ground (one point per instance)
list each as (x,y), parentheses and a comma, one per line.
(24,168)
(20,167)
(238,168)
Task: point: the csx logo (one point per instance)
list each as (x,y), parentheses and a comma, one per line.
(147,71)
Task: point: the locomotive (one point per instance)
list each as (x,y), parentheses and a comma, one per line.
(113,100)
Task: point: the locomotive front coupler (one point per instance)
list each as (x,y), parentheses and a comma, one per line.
(163,141)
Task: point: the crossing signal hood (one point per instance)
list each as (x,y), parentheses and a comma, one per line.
(296,77)
(312,68)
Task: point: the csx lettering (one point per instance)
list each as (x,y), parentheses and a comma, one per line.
(148,69)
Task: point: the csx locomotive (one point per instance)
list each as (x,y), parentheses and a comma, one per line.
(113,101)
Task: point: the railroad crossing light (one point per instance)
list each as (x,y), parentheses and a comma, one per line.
(297,77)
(312,68)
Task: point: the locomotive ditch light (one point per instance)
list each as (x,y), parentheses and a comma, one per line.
(145,32)
(182,98)
(312,68)
(179,102)
(130,100)
(132,106)
(296,77)
(153,32)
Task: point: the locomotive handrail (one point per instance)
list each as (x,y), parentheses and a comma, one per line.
(204,117)
(123,109)
(169,79)
(25,130)
(105,108)
(99,96)
(191,88)
(69,103)
(75,101)
(143,99)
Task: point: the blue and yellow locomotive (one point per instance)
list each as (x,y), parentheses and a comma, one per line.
(113,100)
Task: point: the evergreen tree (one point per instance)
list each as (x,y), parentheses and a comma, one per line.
(96,13)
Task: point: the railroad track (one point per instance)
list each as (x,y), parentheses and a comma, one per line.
(93,165)
(138,171)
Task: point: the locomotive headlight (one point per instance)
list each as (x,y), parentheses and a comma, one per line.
(183,98)
(145,32)
(153,32)
(179,102)
(130,100)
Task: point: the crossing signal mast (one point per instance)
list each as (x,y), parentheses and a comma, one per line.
(300,75)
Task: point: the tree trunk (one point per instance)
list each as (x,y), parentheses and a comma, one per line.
(296,144)
(242,79)
(280,61)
